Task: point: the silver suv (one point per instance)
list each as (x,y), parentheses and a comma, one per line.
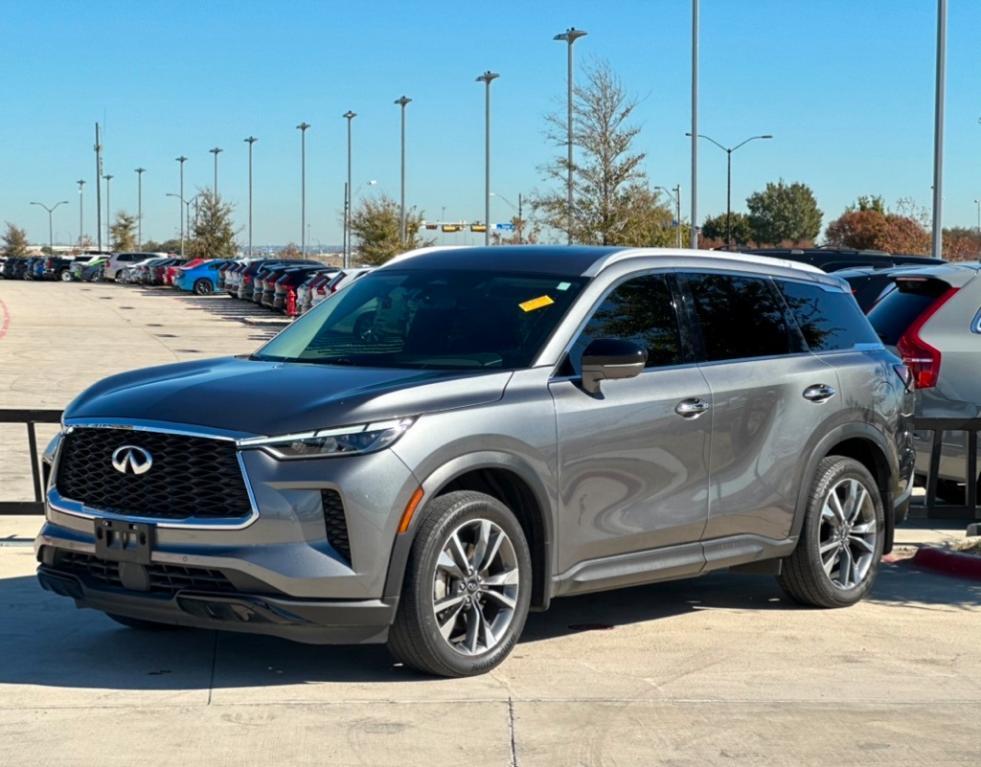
(467,434)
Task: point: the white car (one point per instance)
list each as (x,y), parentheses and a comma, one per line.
(120,261)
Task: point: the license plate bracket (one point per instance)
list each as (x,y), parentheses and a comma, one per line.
(119,541)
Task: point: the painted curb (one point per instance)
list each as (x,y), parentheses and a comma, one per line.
(948,562)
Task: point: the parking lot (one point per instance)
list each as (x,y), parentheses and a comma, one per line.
(715,671)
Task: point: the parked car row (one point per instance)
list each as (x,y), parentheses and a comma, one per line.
(44,267)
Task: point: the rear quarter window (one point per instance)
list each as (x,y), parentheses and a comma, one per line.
(899,309)
(829,320)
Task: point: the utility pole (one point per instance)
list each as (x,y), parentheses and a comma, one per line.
(694,124)
(349,116)
(81,211)
(250,141)
(938,131)
(98,189)
(569,36)
(139,207)
(302,127)
(487,78)
(215,151)
(675,196)
(402,101)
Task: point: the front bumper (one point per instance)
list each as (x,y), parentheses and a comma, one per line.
(309,621)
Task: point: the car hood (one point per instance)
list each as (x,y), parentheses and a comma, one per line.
(251,397)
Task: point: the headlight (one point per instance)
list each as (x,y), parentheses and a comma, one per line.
(347,440)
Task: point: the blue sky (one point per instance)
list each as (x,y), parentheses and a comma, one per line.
(845,86)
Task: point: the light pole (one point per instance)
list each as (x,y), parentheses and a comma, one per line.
(302,127)
(139,207)
(50,210)
(81,212)
(185,209)
(216,151)
(402,101)
(250,141)
(487,78)
(511,205)
(569,36)
(693,241)
(978,203)
(349,116)
(676,197)
(181,160)
(729,150)
(108,178)
(98,189)
(938,130)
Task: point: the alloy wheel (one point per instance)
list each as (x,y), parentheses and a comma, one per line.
(475,587)
(848,533)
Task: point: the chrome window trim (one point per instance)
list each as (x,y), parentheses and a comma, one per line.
(57,502)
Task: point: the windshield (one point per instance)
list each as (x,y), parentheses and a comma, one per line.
(428,319)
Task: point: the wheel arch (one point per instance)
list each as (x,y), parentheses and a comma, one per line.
(861,442)
(512,482)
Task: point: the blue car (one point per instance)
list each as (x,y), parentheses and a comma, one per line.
(202,278)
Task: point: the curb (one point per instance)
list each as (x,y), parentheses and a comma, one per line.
(948,562)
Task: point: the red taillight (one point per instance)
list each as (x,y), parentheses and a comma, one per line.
(922,359)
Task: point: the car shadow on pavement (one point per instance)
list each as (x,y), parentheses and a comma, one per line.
(46,641)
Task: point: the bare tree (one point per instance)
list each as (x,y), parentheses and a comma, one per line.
(613,204)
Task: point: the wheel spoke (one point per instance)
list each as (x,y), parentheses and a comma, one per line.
(865,545)
(865,528)
(504,599)
(458,553)
(835,503)
(448,602)
(474,619)
(506,578)
(480,548)
(495,546)
(861,496)
(826,547)
(488,632)
(447,563)
(829,563)
(447,626)
(845,567)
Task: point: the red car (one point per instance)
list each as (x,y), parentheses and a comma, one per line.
(170,274)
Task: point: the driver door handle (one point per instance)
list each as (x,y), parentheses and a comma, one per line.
(691,408)
(819,393)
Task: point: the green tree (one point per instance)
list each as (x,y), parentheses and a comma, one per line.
(172,245)
(14,242)
(213,235)
(714,228)
(122,232)
(784,213)
(613,204)
(375,222)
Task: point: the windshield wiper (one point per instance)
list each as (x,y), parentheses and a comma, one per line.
(329,360)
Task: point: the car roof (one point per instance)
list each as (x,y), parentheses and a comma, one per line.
(567,260)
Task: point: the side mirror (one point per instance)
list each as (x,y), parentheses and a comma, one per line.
(611,358)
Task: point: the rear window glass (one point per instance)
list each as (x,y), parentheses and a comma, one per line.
(899,309)
(829,320)
(739,317)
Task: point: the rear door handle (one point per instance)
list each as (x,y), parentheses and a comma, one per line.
(819,393)
(691,408)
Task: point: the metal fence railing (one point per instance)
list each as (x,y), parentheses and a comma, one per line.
(29,418)
(943,453)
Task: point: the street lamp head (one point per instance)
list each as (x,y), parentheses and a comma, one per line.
(182,159)
(767,135)
(81,182)
(402,101)
(488,77)
(108,177)
(302,126)
(349,115)
(215,150)
(250,140)
(140,171)
(571,35)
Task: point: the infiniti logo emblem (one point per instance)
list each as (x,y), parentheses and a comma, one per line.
(130,459)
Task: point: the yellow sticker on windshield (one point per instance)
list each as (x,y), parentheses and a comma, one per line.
(536,303)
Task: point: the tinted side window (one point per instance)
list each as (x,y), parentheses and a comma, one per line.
(739,317)
(641,310)
(829,320)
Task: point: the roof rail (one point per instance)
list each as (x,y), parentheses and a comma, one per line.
(628,253)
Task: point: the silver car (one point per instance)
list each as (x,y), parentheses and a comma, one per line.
(466,434)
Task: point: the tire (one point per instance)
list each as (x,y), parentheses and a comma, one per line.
(141,625)
(203,287)
(432,574)
(65,276)
(819,576)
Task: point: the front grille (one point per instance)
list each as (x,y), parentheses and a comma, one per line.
(190,476)
(336,523)
(164,579)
